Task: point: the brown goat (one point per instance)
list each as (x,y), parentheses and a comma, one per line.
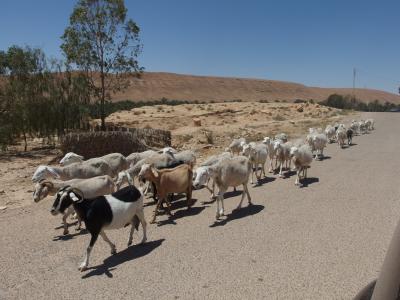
(167,181)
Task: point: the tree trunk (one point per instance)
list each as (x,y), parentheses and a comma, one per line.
(102,102)
(26,143)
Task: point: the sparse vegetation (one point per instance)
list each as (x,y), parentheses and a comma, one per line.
(186,138)
(209,136)
(278,118)
(348,102)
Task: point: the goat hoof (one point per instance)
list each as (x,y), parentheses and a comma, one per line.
(65,232)
(129,244)
(143,241)
(82,267)
(114,251)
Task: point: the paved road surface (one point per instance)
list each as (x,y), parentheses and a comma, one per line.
(323,241)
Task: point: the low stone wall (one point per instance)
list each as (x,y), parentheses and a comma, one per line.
(124,140)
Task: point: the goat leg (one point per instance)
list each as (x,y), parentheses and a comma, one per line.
(142,220)
(153,220)
(112,246)
(83,266)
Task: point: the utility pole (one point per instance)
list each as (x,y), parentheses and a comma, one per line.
(354,83)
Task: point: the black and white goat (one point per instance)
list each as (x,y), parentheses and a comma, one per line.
(106,212)
(349,134)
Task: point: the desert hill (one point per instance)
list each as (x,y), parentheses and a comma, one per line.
(154,86)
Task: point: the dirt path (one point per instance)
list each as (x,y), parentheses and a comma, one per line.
(324,241)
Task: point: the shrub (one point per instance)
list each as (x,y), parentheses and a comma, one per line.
(209,136)
(278,118)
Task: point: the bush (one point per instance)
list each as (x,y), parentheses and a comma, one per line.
(112,107)
(279,118)
(347,102)
(209,136)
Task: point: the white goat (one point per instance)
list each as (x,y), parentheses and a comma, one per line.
(282,136)
(116,161)
(257,154)
(168,150)
(186,156)
(341,135)
(355,126)
(133,158)
(271,152)
(228,172)
(282,154)
(302,158)
(236,146)
(91,188)
(212,160)
(330,133)
(317,142)
(369,124)
(95,167)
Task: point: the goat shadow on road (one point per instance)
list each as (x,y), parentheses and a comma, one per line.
(263,181)
(325,157)
(181,213)
(130,253)
(239,214)
(174,199)
(309,180)
(70,235)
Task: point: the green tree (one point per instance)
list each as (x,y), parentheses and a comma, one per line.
(102,42)
(39,98)
(23,68)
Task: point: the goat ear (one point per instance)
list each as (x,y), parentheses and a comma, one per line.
(54,173)
(74,197)
(130,180)
(48,184)
(154,171)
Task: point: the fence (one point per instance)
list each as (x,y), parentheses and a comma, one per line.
(115,139)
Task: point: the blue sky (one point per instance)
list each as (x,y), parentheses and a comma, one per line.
(316,43)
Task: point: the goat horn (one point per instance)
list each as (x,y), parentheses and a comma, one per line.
(77,191)
(49,184)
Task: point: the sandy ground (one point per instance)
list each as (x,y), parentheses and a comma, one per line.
(221,122)
(324,241)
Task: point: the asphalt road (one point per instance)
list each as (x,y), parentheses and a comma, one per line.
(323,241)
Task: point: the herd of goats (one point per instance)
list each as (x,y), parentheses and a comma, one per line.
(92,188)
